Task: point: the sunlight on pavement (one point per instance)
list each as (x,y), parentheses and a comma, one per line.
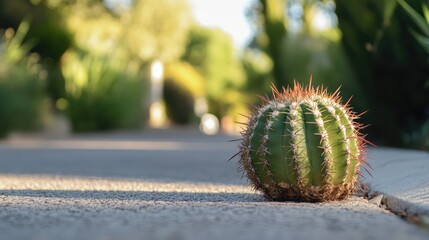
(56,183)
(112,145)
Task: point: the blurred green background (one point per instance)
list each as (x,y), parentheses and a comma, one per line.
(89,63)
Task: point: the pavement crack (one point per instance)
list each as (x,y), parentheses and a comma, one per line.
(397,207)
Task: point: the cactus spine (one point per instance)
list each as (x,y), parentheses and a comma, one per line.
(303,145)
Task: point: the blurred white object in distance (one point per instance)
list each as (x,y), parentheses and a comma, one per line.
(156,81)
(209,124)
(157,71)
(157,117)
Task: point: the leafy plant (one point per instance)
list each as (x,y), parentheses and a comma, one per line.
(21,83)
(419,138)
(48,30)
(102,92)
(388,62)
(421,21)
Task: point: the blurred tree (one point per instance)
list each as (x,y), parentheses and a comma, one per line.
(146,31)
(142,32)
(376,47)
(301,38)
(213,55)
(389,63)
(157,29)
(290,33)
(272,38)
(95,29)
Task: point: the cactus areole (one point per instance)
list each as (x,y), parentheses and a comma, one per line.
(303,145)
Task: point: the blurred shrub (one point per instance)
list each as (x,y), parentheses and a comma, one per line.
(21,85)
(47,25)
(182,85)
(102,92)
(52,37)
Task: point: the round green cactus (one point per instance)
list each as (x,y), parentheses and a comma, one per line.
(303,145)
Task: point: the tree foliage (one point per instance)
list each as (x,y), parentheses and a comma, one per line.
(157,29)
(211,52)
(274,35)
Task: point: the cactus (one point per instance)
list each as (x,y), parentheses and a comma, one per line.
(303,145)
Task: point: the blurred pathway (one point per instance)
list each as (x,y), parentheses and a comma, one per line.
(161,185)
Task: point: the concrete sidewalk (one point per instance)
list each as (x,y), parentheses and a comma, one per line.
(402,178)
(179,185)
